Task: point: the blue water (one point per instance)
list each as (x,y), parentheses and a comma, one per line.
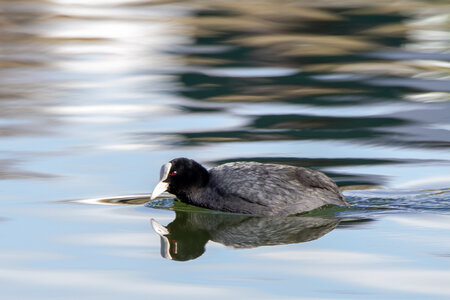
(95,97)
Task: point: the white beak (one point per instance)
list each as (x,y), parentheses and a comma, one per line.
(162,186)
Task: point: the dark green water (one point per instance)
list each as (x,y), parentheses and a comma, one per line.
(96,95)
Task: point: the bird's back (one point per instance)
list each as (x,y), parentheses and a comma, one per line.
(269,189)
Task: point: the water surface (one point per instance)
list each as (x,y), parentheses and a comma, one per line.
(95,96)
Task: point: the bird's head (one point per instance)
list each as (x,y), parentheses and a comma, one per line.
(179,176)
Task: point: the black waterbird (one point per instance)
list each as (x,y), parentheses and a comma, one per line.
(248,187)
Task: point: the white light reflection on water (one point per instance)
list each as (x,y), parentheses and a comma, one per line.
(410,280)
(128,239)
(103,283)
(250,72)
(328,257)
(432,222)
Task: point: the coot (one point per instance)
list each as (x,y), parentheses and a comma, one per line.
(248,187)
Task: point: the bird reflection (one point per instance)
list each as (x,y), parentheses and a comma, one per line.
(186,236)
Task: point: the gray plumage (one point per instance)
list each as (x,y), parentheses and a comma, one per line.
(264,189)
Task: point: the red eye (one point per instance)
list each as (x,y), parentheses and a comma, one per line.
(173,173)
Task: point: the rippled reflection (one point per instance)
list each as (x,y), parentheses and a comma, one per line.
(185,238)
(149,75)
